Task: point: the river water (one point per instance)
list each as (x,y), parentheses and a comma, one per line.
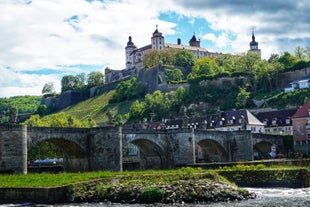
(266,197)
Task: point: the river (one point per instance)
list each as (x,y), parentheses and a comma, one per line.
(266,197)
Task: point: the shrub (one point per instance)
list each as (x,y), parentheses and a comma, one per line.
(152,195)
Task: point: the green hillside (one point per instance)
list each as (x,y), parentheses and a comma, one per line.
(23,104)
(97,107)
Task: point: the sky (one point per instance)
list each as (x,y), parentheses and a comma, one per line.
(43,40)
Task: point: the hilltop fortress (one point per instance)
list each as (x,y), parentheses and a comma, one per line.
(135,55)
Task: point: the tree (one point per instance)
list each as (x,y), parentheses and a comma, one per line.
(157,103)
(186,60)
(300,53)
(242,98)
(48,89)
(137,111)
(81,80)
(151,58)
(174,75)
(168,56)
(43,110)
(68,82)
(129,89)
(249,64)
(58,120)
(205,66)
(287,60)
(95,78)
(273,58)
(225,62)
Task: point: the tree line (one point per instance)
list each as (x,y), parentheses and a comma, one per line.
(78,82)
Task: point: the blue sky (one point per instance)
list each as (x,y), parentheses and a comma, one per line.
(43,40)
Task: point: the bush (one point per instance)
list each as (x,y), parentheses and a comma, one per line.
(152,195)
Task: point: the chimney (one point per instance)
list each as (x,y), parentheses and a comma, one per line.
(179,41)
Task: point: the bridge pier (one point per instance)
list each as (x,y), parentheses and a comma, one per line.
(13,149)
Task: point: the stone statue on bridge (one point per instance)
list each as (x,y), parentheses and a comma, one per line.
(70,121)
(110,117)
(12,115)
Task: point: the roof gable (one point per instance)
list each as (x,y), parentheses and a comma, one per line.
(303,111)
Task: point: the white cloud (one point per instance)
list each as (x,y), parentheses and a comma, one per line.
(17,83)
(57,34)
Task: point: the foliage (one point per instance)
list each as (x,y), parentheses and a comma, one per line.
(79,82)
(152,194)
(68,82)
(127,90)
(43,110)
(205,66)
(180,58)
(95,78)
(60,119)
(151,58)
(294,98)
(24,105)
(158,103)
(48,89)
(242,98)
(44,150)
(174,75)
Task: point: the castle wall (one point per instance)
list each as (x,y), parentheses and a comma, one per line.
(285,78)
(149,77)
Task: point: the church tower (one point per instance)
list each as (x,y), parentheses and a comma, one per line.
(158,40)
(254,45)
(129,50)
(194,42)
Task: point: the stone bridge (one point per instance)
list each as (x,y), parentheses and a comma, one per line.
(94,149)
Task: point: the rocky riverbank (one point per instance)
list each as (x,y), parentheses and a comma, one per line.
(202,188)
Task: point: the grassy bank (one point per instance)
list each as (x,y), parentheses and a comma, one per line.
(54,180)
(166,186)
(189,185)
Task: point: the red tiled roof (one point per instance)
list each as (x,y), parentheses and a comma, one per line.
(303,111)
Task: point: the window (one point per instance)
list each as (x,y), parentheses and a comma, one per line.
(253,129)
(287,121)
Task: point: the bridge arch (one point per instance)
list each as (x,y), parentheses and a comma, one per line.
(71,142)
(74,156)
(212,151)
(151,155)
(262,150)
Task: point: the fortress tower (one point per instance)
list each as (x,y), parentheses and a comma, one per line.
(129,49)
(158,40)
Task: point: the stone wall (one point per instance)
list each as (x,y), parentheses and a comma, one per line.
(149,77)
(285,78)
